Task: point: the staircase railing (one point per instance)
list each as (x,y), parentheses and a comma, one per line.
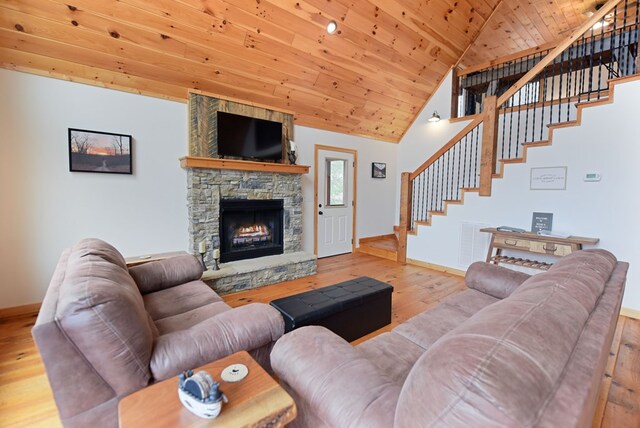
(551,82)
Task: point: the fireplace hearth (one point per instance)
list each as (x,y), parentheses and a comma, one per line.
(250,228)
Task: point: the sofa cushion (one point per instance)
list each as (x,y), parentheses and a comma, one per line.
(190,318)
(101,311)
(497,281)
(393,354)
(167,273)
(502,366)
(426,328)
(177,300)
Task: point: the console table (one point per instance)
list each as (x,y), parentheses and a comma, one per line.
(531,243)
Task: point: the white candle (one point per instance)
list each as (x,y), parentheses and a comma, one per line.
(216,253)
(202,247)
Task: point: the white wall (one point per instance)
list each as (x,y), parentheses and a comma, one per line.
(607,143)
(424,138)
(376,208)
(46,208)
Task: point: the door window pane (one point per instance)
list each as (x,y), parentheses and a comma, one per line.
(336,182)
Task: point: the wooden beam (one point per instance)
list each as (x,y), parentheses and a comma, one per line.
(405,216)
(604,10)
(489,145)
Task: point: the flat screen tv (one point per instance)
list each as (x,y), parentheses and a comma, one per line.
(248,137)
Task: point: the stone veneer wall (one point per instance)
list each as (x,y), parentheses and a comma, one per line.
(206,187)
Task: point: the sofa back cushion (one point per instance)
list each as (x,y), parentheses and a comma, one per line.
(502,366)
(102,312)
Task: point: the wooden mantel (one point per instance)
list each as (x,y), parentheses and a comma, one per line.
(241,165)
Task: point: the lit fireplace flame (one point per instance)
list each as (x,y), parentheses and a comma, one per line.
(255,230)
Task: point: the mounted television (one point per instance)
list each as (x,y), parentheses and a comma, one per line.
(248,137)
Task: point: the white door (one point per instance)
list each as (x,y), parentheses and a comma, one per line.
(335,202)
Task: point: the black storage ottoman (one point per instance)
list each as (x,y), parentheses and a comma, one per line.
(351,309)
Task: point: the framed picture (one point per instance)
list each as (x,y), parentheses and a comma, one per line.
(553,178)
(94,151)
(379,170)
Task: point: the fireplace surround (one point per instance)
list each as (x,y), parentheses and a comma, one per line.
(250,228)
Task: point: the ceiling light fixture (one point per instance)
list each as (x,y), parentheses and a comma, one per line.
(332,27)
(435,117)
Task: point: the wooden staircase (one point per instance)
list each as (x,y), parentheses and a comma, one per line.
(526,147)
(384,246)
(548,95)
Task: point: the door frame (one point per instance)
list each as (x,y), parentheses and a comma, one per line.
(354,152)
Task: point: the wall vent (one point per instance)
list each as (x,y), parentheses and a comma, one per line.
(473,243)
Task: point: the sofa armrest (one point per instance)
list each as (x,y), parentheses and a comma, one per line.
(494,280)
(334,379)
(166,273)
(241,329)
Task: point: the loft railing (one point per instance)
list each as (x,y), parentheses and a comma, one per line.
(514,102)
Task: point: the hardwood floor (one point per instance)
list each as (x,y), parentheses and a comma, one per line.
(26,400)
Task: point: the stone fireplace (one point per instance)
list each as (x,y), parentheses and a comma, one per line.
(261,241)
(251,211)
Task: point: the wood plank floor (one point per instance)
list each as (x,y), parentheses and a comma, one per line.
(26,400)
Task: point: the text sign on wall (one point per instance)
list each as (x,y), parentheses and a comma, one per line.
(553,178)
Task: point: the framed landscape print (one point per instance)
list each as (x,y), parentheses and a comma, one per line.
(94,151)
(379,170)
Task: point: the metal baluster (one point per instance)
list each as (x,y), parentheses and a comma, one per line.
(510,128)
(560,87)
(445,189)
(553,89)
(475,160)
(535,106)
(593,40)
(625,51)
(544,100)
(464,163)
(569,81)
(451,171)
(582,72)
(612,38)
(600,59)
(635,68)
(527,88)
(459,146)
(504,128)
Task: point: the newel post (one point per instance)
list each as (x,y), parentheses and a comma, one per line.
(405,215)
(489,145)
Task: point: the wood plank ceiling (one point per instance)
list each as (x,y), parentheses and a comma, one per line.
(371,78)
(519,25)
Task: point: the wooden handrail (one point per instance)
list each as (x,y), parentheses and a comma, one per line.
(478,120)
(551,56)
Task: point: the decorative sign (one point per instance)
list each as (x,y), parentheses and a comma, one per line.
(541,221)
(554,178)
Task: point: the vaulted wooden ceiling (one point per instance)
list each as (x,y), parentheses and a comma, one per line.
(371,78)
(518,25)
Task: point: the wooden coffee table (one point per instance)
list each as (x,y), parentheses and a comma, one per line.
(256,401)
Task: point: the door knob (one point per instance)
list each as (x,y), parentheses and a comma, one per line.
(320,212)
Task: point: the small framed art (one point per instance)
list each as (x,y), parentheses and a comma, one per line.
(378,170)
(95,151)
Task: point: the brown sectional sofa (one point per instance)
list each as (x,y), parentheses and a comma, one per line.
(105,331)
(511,350)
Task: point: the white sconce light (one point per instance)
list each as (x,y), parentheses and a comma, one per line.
(435,117)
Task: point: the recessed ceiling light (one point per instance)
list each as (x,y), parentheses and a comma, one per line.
(332,27)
